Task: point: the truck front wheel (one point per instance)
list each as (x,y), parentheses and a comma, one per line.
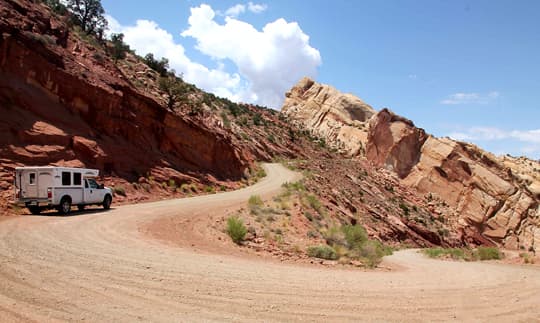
(65,205)
(107,202)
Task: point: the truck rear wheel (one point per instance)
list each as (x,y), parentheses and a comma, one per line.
(65,205)
(107,202)
(34,210)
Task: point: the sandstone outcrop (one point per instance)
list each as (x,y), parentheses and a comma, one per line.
(340,119)
(483,199)
(485,196)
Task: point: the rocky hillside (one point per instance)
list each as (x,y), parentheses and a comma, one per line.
(487,199)
(65,101)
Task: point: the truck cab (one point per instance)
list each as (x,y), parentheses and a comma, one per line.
(50,187)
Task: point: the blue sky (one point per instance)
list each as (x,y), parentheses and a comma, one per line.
(465,69)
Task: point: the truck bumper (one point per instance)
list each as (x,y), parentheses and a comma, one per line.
(34,202)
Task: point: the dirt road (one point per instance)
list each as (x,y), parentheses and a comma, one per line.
(99,266)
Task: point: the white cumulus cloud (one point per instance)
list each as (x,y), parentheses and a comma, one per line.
(271,60)
(267,62)
(235,10)
(525,141)
(491,133)
(257,8)
(147,37)
(470,98)
(239,9)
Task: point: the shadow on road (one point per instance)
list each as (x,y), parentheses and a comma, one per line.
(54,213)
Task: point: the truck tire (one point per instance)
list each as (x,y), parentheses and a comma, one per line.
(107,202)
(65,205)
(35,210)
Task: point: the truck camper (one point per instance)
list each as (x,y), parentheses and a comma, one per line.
(50,187)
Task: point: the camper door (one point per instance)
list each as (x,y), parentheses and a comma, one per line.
(29,183)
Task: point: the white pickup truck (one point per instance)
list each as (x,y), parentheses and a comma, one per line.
(50,187)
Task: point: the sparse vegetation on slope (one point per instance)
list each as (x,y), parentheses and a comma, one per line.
(480,253)
(298,222)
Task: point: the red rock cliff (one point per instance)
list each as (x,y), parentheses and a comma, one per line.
(63,103)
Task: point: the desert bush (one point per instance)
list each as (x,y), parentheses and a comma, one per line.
(160,66)
(527,258)
(260,173)
(120,190)
(371,252)
(255,202)
(314,203)
(355,235)
(323,252)
(225,119)
(236,229)
(334,236)
(454,253)
(481,253)
(487,253)
(404,208)
(99,57)
(257,119)
(294,187)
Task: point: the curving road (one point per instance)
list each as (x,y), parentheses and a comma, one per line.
(100,266)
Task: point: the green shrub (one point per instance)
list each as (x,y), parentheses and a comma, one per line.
(323,252)
(334,236)
(488,253)
(255,202)
(257,119)
(120,190)
(454,253)
(294,187)
(225,119)
(405,208)
(314,203)
(371,252)
(260,173)
(355,235)
(236,229)
(308,216)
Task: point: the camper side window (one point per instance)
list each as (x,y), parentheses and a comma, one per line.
(32,178)
(66,178)
(76,178)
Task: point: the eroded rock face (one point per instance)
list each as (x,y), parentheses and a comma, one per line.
(337,117)
(394,142)
(483,193)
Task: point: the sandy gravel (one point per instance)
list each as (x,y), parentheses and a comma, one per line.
(99,266)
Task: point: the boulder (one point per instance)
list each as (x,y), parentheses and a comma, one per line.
(394,142)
